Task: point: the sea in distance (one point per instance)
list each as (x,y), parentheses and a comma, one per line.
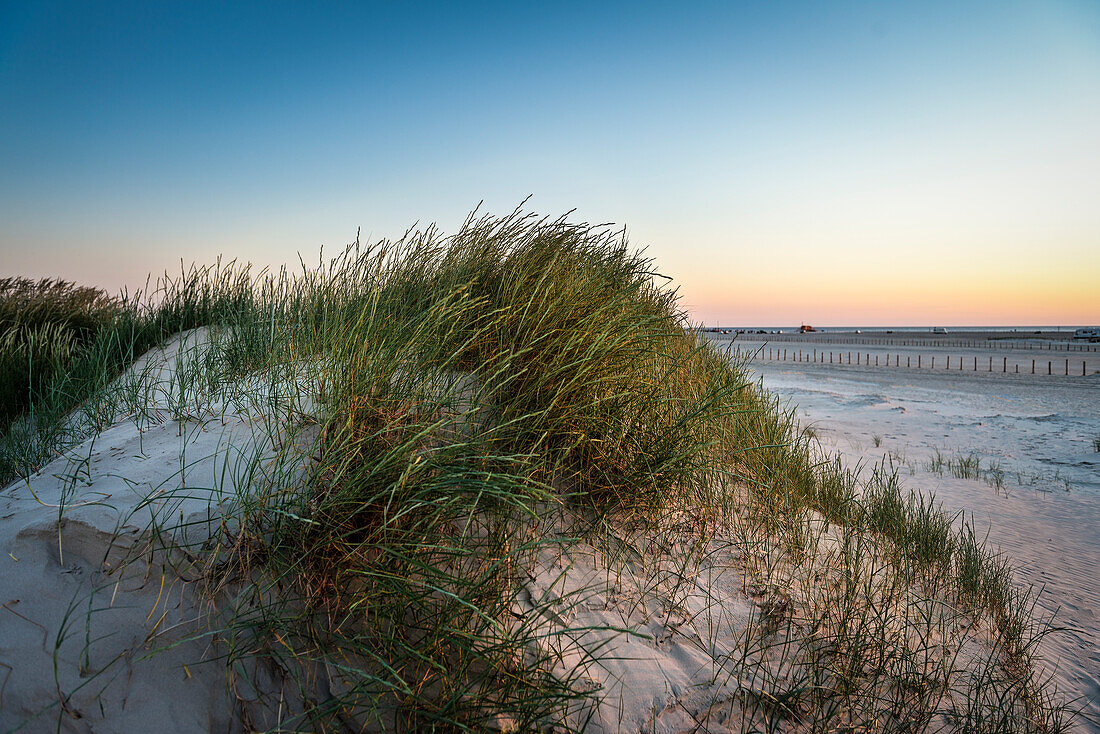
(788,329)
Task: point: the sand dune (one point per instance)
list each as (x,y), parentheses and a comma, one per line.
(106,623)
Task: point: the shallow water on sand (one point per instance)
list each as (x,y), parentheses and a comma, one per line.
(1044,513)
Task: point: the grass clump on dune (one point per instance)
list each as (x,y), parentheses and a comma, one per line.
(451,410)
(32,304)
(42,323)
(480,380)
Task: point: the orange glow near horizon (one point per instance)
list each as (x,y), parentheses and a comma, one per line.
(901,300)
(902,303)
(1061,287)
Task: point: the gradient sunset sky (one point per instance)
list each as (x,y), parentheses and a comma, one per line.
(831,163)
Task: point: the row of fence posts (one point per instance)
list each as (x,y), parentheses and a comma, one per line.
(864,359)
(991,344)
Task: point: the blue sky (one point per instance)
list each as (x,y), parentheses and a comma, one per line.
(828,162)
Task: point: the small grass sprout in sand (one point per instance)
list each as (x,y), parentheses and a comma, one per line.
(971,465)
(936,462)
(967,466)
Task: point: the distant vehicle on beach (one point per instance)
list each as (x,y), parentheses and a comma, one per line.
(938,330)
(1092,334)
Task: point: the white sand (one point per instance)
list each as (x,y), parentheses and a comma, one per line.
(70,604)
(646,637)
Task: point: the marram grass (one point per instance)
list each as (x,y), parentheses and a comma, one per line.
(443,410)
(41,324)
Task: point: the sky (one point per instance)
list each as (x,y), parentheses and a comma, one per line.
(828,163)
